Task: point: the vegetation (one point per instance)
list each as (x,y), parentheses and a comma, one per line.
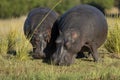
(117,3)
(80,70)
(106,4)
(23,67)
(16,64)
(102,5)
(113,42)
(65,5)
(16,8)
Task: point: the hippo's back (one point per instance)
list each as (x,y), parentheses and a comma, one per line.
(88,21)
(38,15)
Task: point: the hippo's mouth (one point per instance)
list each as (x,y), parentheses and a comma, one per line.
(38,52)
(62,57)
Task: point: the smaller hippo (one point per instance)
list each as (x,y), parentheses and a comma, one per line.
(82,28)
(37,28)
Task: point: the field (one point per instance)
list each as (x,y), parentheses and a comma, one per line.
(23,67)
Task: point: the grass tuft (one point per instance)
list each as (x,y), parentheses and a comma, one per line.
(113,41)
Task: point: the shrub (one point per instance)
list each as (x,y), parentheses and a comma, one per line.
(16,8)
(100,4)
(65,5)
(106,4)
(117,3)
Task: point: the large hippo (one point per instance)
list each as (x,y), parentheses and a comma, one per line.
(82,28)
(37,28)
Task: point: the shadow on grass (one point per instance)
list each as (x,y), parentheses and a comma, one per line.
(46,60)
(12,52)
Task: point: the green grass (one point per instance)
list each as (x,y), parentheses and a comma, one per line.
(22,67)
(14,69)
(113,41)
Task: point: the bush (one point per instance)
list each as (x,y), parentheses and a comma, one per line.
(106,4)
(100,4)
(16,8)
(65,5)
(117,3)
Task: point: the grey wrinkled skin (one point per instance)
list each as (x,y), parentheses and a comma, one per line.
(82,28)
(39,35)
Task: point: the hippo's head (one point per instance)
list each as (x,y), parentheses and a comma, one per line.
(66,48)
(39,42)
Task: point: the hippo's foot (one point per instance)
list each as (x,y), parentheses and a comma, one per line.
(100,60)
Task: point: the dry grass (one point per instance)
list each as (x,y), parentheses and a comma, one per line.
(113,41)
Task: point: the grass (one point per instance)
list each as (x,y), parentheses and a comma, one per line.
(15,69)
(22,67)
(113,41)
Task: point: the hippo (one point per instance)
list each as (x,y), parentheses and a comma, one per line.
(37,29)
(82,28)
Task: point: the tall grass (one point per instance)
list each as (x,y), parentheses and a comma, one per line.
(12,39)
(12,42)
(3,46)
(113,41)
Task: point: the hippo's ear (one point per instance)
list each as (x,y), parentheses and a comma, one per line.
(47,35)
(74,35)
(49,32)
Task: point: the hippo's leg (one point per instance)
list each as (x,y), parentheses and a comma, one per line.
(94,53)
